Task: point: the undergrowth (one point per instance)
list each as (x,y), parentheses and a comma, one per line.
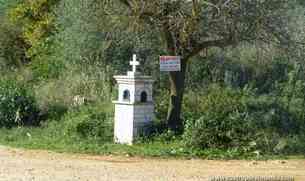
(51,137)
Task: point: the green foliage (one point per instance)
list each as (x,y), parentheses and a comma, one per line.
(223,123)
(73,48)
(7,4)
(17,106)
(90,122)
(44,69)
(237,67)
(82,33)
(161,103)
(293,145)
(291,92)
(12,46)
(90,83)
(37,21)
(241,119)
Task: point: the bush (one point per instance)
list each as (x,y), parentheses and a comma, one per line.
(45,68)
(223,123)
(239,118)
(161,104)
(90,83)
(295,144)
(17,106)
(208,132)
(90,122)
(12,48)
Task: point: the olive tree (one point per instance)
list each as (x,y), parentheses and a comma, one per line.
(191,26)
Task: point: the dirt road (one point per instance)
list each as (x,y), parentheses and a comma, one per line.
(23,165)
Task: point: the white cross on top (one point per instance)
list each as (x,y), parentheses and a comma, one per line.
(134,63)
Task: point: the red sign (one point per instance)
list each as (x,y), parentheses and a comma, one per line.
(170,63)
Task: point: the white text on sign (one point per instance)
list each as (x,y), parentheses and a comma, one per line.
(170,63)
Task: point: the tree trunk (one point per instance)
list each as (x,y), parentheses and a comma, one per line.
(177,82)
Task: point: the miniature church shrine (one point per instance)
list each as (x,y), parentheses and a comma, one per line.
(134,109)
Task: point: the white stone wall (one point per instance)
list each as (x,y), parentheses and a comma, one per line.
(143,117)
(123,123)
(132,117)
(143,113)
(130,120)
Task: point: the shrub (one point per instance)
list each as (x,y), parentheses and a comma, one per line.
(46,67)
(161,103)
(90,122)
(223,123)
(295,144)
(239,118)
(208,132)
(12,48)
(17,106)
(90,84)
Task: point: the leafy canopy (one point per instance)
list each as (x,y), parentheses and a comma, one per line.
(189,26)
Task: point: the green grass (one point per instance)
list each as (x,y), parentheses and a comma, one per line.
(53,138)
(44,138)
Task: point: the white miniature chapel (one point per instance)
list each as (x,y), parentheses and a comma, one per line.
(134,109)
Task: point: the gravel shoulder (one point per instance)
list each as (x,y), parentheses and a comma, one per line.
(28,165)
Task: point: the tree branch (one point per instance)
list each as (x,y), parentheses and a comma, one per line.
(126,2)
(198,47)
